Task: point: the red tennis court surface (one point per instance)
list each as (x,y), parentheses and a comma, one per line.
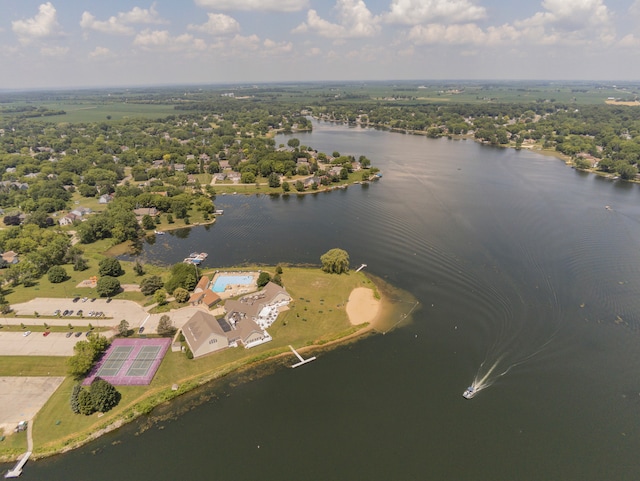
(130,361)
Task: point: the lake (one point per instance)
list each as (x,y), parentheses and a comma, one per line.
(526,283)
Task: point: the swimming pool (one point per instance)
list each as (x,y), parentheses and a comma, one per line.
(222,282)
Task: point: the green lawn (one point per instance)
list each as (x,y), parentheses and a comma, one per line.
(33,366)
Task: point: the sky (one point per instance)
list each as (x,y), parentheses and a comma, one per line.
(98,43)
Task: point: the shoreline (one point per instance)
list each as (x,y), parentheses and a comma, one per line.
(368,319)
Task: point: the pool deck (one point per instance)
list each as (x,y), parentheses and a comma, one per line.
(234,290)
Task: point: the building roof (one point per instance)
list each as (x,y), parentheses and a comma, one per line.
(202,284)
(198,330)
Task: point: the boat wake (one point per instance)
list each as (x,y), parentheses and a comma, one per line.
(490,371)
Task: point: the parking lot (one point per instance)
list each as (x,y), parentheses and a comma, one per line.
(35,344)
(22,397)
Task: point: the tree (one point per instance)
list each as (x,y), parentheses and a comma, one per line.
(335,261)
(57,274)
(110,266)
(75,392)
(182,275)
(108,286)
(123,328)
(286,187)
(160,297)
(274,180)
(138,268)
(104,396)
(263,279)
(148,222)
(181,295)
(165,327)
(150,284)
(293,143)
(85,403)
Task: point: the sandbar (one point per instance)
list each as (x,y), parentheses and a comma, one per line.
(362,306)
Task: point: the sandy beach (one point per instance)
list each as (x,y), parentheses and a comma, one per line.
(362,306)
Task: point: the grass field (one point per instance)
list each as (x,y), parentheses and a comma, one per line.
(80,111)
(316,315)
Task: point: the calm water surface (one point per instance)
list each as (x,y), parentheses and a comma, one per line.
(524,278)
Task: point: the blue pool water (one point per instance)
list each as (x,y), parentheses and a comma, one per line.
(223,281)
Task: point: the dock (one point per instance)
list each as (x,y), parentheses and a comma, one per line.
(302,360)
(17,469)
(361,267)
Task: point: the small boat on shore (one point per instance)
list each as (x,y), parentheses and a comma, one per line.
(158,232)
(469,392)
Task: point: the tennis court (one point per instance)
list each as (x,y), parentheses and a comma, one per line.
(130,361)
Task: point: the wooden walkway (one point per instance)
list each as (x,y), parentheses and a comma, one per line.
(302,360)
(17,469)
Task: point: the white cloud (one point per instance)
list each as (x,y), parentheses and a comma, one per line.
(629,41)
(100,52)
(54,51)
(120,24)
(569,21)
(413,12)
(277,47)
(634,9)
(162,40)
(355,21)
(456,34)
(255,5)
(43,25)
(218,24)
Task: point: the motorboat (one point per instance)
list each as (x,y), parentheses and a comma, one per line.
(469,392)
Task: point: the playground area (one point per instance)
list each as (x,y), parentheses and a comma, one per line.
(130,361)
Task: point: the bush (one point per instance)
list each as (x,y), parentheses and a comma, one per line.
(189,354)
(57,274)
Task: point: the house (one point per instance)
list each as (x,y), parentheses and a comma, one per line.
(105,198)
(178,167)
(81,211)
(309,181)
(206,298)
(158,163)
(220,177)
(141,212)
(68,219)
(224,164)
(204,334)
(234,177)
(10,257)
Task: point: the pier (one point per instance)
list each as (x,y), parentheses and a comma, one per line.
(361,267)
(17,469)
(302,359)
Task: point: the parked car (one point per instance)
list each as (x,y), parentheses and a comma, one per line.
(66,312)
(87,334)
(141,330)
(69,334)
(56,312)
(46,333)
(26,333)
(22,425)
(85,299)
(78,334)
(76,299)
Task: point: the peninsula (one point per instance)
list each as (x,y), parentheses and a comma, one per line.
(323,310)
